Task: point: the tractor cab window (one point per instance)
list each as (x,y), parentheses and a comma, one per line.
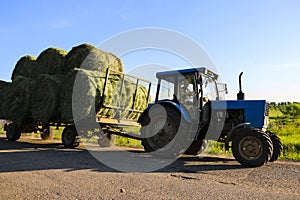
(166,90)
(210,89)
(182,87)
(187,90)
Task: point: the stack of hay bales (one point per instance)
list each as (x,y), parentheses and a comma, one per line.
(44,88)
(17,99)
(4,88)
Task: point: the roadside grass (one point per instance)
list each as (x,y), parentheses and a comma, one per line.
(288,130)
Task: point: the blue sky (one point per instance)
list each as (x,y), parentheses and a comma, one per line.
(261,38)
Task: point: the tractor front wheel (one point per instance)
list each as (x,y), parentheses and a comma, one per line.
(252,147)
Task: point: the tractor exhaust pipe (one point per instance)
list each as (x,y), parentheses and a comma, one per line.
(240,95)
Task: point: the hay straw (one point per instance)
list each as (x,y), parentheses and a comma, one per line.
(45,98)
(88,57)
(51,61)
(26,66)
(4,89)
(18,99)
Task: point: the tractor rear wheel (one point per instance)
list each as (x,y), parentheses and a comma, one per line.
(70,137)
(252,147)
(165,133)
(13,132)
(277,146)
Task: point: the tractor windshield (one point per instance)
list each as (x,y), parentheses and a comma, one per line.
(183,87)
(166,90)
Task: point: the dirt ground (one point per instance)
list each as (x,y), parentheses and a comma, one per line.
(35,169)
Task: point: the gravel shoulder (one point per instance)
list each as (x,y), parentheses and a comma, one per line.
(36,169)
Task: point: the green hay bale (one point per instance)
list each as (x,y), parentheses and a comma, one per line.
(65,103)
(26,66)
(4,89)
(18,99)
(51,61)
(85,93)
(124,99)
(140,102)
(114,62)
(89,57)
(45,98)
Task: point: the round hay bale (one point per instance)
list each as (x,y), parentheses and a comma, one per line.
(84,96)
(88,57)
(51,61)
(65,103)
(18,99)
(26,66)
(114,62)
(4,89)
(45,97)
(84,88)
(140,102)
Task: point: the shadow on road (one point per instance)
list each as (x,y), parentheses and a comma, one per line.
(42,155)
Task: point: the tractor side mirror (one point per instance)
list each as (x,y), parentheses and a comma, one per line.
(226,88)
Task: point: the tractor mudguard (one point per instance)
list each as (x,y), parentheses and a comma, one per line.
(168,103)
(230,134)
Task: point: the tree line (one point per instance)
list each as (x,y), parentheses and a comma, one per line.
(288,109)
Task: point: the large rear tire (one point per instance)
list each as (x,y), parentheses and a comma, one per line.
(277,146)
(252,147)
(13,132)
(70,138)
(164,133)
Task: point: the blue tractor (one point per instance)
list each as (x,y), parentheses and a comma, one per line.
(190,109)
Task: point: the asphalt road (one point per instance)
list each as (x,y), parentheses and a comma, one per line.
(35,169)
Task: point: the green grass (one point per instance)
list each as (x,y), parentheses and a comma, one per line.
(128,142)
(288,131)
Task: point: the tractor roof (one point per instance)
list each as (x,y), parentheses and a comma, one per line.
(183,72)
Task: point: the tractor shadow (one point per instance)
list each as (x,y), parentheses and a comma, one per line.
(42,155)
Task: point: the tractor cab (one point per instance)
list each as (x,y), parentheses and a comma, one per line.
(191,88)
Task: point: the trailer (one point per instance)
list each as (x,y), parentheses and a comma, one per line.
(110,126)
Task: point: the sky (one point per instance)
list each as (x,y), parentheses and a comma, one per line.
(260,38)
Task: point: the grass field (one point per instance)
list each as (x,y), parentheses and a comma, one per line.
(288,129)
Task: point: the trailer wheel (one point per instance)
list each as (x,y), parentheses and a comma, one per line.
(106,140)
(13,132)
(70,138)
(277,146)
(164,135)
(48,133)
(252,147)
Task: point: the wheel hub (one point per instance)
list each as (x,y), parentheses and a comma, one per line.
(250,147)
(164,132)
